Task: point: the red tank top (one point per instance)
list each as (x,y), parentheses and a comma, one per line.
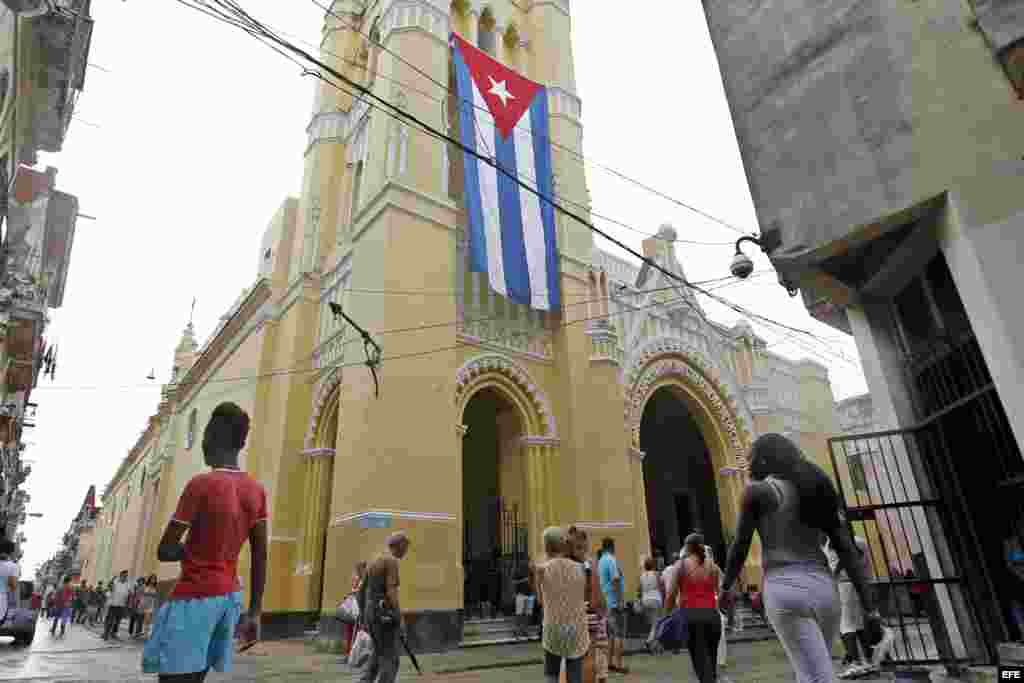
(698,592)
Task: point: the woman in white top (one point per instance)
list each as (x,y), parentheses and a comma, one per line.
(651,597)
(9,574)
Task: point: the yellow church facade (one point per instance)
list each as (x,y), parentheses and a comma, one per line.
(627,413)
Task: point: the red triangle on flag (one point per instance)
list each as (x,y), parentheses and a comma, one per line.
(507,93)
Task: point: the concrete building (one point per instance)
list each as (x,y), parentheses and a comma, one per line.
(883,147)
(628,412)
(43,52)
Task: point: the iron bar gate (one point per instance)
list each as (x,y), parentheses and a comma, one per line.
(890,484)
(492,566)
(953,389)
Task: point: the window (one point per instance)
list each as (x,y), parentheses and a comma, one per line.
(487,38)
(190,437)
(373,60)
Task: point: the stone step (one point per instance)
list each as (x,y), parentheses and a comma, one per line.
(500,631)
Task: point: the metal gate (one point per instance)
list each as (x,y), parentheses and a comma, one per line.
(895,485)
(491,568)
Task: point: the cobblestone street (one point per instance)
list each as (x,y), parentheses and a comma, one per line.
(83,656)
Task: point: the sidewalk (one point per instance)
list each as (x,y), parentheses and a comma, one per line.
(754,661)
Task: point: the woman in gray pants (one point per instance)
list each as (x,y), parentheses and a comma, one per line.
(793,506)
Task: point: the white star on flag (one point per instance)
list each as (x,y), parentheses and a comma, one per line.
(499,90)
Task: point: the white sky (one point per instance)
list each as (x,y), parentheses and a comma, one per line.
(200,136)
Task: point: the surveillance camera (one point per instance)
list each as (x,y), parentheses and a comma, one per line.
(741,266)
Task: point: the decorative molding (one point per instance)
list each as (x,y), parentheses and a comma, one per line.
(487,364)
(388,515)
(461,429)
(565,103)
(540,441)
(317,453)
(284,539)
(535,344)
(666,357)
(432,17)
(635,452)
(327,126)
(604,344)
(304,569)
(327,385)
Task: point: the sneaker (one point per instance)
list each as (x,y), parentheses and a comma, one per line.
(884,647)
(856,670)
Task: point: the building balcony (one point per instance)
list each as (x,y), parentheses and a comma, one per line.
(59,40)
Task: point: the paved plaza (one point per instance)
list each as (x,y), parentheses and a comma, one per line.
(83,656)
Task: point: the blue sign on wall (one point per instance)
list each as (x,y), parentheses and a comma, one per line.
(375,521)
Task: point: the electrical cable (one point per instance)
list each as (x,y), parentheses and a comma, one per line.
(554,143)
(360,363)
(394,111)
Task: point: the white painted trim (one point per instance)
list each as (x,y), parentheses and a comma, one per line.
(540,441)
(604,525)
(318,453)
(350,517)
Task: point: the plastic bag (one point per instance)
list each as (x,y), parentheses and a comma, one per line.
(348,610)
(362,650)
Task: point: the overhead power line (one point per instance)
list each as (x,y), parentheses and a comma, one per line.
(360,363)
(518,128)
(555,143)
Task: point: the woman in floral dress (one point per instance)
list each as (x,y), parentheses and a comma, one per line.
(563,586)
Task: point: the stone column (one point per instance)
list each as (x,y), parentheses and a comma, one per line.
(636,470)
(540,453)
(460,569)
(319,476)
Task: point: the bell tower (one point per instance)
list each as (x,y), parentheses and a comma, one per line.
(380,231)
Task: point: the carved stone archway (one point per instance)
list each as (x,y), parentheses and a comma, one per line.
(539,442)
(665,358)
(516,384)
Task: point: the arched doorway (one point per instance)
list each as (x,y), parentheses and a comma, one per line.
(319,479)
(679,477)
(494,500)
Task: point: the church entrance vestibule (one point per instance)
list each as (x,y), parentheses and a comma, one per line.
(494,499)
(679,479)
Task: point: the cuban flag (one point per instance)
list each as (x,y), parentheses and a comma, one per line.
(504,117)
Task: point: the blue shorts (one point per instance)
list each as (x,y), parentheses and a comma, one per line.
(193,635)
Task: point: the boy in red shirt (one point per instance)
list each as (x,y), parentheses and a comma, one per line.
(194,630)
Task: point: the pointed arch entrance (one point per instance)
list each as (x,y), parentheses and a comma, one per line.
(319,477)
(690,429)
(506,440)
(680,484)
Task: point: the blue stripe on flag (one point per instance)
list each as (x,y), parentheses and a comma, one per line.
(542,160)
(513,246)
(471,175)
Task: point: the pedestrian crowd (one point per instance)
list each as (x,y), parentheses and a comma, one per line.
(107,604)
(815,583)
